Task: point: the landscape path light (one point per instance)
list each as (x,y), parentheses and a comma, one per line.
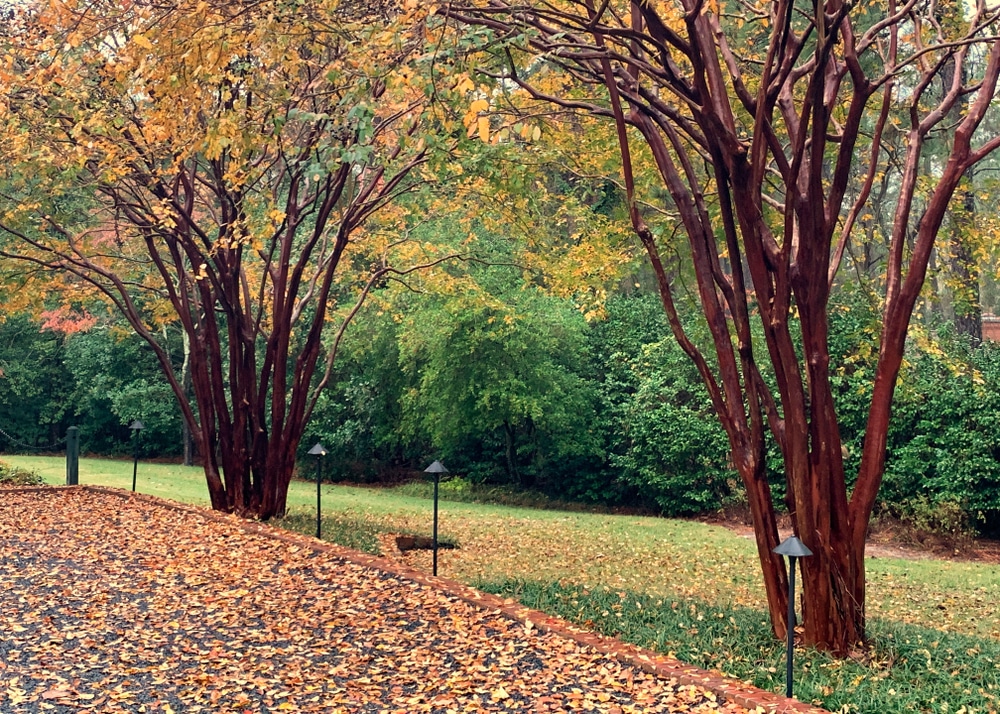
(794,549)
(319,452)
(136,427)
(437,468)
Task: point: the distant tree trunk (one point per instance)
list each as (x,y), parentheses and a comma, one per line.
(961,280)
(510,455)
(186,435)
(965,268)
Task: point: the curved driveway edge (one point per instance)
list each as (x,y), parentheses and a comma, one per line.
(735,691)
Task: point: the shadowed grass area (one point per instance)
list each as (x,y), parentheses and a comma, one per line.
(935,624)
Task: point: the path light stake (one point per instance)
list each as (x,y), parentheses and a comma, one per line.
(437,468)
(319,452)
(136,427)
(73,456)
(794,549)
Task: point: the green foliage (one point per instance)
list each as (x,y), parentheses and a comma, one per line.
(512,387)
(100,380)
(943,452)
(909,668)
(853,338)
(34,383)
(117,380)
(937,515)
(358,415)
(676,452)
(945,443)
(500,380)
(15,476)
(518,392)
(666,442)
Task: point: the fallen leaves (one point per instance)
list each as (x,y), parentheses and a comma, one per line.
(648,555)
(662,558)
(110,604)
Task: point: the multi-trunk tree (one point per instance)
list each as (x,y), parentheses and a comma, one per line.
(765,125)
(216,165)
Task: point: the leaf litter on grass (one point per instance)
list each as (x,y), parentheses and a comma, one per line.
(675,559)
(642,554)
(116,605)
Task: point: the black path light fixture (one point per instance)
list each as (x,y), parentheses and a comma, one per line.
(319,452)
(136,427)
(437,468)
(794,549)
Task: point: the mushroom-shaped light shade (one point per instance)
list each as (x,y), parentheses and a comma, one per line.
(793,548)
(436,468)
(317,450)
(137,425)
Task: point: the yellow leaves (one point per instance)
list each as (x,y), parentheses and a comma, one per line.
(475,122)
(142,41)
(528,131)
(499,694)
(464,84)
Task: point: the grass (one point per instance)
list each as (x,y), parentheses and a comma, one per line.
(459,490)
(348,531)
(934,624)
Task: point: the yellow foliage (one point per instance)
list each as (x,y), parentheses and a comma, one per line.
(154,127)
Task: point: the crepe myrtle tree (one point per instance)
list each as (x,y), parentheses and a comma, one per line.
(763,126)
(217,166)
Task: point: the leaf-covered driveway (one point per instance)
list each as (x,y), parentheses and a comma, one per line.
(117,605)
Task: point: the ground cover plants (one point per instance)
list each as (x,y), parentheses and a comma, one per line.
(909,668)
(934,622)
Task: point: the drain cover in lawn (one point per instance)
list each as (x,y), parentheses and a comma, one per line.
(121,605)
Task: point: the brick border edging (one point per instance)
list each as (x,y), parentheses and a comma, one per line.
(741,693)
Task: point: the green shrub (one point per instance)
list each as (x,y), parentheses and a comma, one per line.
(944,443)
(664,441)
(13,476)
(944,518)
(943,453)
(676,451)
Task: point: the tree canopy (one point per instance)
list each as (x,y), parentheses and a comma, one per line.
(214,165)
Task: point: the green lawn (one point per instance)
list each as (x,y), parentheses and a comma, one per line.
(679,586)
